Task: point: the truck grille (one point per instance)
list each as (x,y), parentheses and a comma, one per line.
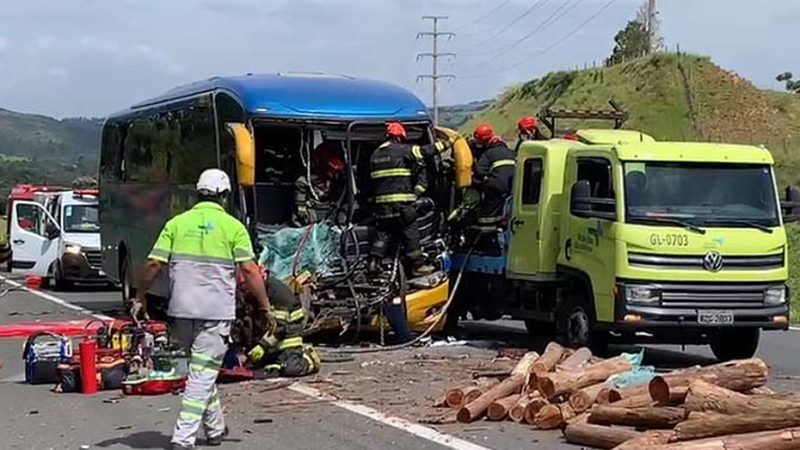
(713,296)
(94,257)
(750,262)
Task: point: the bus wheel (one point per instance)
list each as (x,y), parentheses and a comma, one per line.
(735,343)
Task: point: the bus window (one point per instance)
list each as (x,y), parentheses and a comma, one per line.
(111,152)
(138,150)
(277,167)
(197,150)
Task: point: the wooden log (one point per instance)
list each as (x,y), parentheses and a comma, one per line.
(511,385)
(583,399)
(638,401)
(598,436)
(460,396)
(617,394)
(704,396)
(575,361)
(651,418)
(702,415)
(559,383)
(517,412)
(783,439)
(741,375)
(532,409)
(552,416)
(647,440)
(723,424)
(499,409)
(548,360)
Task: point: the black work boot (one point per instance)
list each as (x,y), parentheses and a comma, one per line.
(217,440)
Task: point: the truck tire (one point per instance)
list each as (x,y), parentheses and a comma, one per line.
(126,287)
(735,343)
(576,323)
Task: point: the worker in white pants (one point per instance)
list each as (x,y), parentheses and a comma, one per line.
(203,247)
(206,341)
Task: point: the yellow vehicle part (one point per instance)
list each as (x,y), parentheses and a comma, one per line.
(423,308)
(245,153)
(611,137)
(462,156)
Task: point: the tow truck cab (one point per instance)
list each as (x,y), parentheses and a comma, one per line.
(642,241)
(56,235)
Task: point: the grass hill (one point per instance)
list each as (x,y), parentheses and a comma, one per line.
(670,96)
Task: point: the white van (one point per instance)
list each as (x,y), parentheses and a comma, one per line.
(57,236)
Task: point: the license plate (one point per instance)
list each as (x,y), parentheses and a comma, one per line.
(715,317)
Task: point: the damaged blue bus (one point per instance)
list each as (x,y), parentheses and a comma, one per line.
(263,131)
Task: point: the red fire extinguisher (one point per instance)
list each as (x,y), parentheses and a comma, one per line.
(88,352)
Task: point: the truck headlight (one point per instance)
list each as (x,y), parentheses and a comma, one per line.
(775,295)
(646,295)
(73,248)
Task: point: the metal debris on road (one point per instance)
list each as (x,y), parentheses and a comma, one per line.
(262,420)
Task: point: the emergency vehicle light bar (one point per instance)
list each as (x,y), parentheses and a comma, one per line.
(617,115)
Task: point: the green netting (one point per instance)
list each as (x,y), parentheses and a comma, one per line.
(316,256)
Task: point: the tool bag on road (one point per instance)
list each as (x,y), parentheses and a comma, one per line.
(43,352)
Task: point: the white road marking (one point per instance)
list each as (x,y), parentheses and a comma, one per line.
(412,428)
(56,300)
(794,328)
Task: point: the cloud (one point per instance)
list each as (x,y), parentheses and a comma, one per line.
(43,43)
(4,43)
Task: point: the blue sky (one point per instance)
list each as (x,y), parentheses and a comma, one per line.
(92,57)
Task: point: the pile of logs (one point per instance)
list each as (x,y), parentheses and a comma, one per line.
(722,406)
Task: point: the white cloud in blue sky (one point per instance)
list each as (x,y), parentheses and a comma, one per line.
(91,57)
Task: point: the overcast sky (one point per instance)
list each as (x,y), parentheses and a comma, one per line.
(93,57)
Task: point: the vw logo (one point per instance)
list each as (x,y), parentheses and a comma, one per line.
(712,261)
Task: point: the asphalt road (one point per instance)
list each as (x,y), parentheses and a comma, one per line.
(31,417)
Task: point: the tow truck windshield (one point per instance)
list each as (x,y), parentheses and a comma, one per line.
(695,195)
(81,219)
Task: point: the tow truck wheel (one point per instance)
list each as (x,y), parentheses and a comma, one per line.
(575,324)
(735,343)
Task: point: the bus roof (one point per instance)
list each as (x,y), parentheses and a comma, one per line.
(308,95)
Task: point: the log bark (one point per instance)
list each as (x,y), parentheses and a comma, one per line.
(460,396)
(511,385)
(551,417)
(638,401)
(647,440)
(548,360)
(575,361)
(559,383)
(583,399)
(701,415)
(517,413)
(598,436)
(704,396)
(740,376)
(499,409)
(616,394)
(722,425)
(650,418)
(783,439)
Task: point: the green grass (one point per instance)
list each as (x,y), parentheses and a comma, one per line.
(793,233)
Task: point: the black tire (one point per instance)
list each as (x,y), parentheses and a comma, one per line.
(538,328)
(128,292)
(576,323)
(735,343)
(56,279)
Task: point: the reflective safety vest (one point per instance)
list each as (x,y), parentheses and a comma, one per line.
(397,172)
(202,247)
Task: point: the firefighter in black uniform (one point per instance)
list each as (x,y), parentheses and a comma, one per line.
(494,175)
(315,196)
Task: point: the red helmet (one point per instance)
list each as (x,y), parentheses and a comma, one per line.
(330,160)
(483,133)
(396,130)
(526,124)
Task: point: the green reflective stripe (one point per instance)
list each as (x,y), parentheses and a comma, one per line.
(501,163)
(214,404)
(190,416)
(419,189)
(416,151)
(484,229)
(302,208)
(277,367)
(395,198)
(440,146)
(203,362)
(176,257)
(296,315)
(241,253)
(203,368)
(193,406)
(388,173)
(490,219)
(280,314)
(290,343)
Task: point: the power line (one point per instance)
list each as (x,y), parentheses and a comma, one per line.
(544,51)
(483,16)
(513,22)
(434,55)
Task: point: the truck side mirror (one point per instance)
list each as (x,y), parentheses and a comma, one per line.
(791,204)
(579,200)
(51,231)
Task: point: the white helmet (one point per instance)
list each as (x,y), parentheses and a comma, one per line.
(213,181)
